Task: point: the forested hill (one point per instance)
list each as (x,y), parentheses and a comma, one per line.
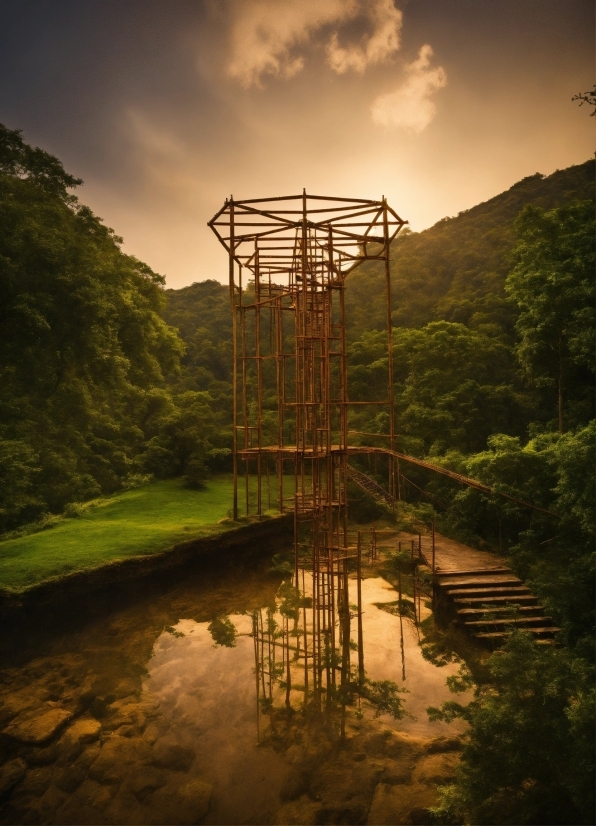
(456,270)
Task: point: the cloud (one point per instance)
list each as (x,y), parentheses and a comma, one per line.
(268,37)
(266,33)
(374,48)
(410,106)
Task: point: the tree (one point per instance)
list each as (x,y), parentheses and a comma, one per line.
(83,340)
(552,284)
(455,387)
(589,98)
(529,751)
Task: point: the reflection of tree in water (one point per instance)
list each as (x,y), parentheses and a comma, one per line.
(304,668)
(223,631)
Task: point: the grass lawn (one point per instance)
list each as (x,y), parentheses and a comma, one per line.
(142,521)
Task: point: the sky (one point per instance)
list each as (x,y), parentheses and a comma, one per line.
(167,107)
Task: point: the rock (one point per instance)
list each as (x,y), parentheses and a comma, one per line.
(85,806)
(39,726)
(397,772)
(153,732)
(348,814)
(376,744)
(295,784)
(179,804)
(125,808)
(125,688)
(88,755)
(116,757)
(394,804)
(295,754)
(85,730)
(41,756)
(436,768)
(143,780)
(419,816)
(10,774)
(149,706)
(168,753)
(440,744)
(71,778)
(36,781)
(50,801)
(400,747)
(16,703)
(94,794)
(85,693)
(341,780)
(358,756)
(127,717)
(76,812)
(129,731)
(99,707)
(72,743)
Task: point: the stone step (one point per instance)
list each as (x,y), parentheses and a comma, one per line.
(526,622)
(474,572)
(471,582)
(475,612)
(485,635)
(511,600)
(514,590)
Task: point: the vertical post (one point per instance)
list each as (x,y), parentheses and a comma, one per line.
(433,539)
(433,570)
(415,596)
(401,623)
(258,361)
(255,632)
(360,634)
(235,365)
(288,674)
(389,346)
(305,643)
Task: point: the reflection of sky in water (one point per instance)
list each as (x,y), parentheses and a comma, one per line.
(382,661)
(207,692)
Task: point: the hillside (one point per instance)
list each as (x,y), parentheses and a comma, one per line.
(455,271)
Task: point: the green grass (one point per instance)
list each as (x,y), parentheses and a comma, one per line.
(142,521)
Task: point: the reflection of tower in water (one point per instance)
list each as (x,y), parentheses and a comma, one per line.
(289,258)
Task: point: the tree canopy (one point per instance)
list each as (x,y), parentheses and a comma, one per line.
(83,351)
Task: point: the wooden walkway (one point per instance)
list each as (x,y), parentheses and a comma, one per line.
(485,596)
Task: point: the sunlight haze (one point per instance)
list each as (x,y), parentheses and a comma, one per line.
(166,108)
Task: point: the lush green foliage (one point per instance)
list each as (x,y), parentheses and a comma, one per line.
(146,520)
(84,408)
(552,285)
(529,756)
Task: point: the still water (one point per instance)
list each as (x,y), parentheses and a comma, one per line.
(142,715)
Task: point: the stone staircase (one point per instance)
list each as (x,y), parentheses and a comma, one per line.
(490,602)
